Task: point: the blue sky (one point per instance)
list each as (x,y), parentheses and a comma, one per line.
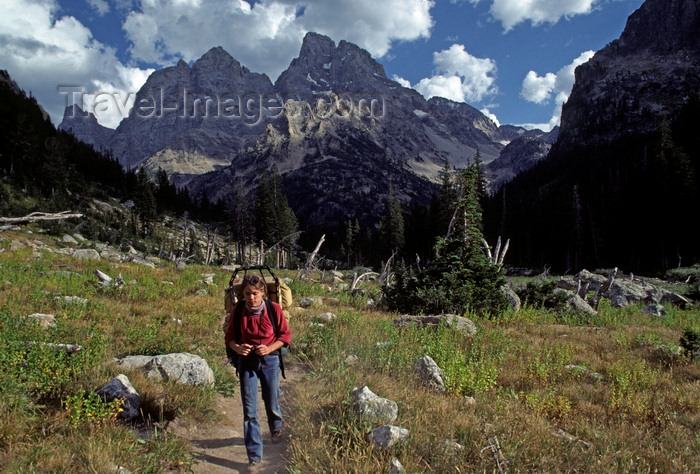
(512,59)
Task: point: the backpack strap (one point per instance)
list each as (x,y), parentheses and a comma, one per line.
(272,314)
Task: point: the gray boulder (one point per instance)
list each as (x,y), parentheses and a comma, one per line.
(452,321)
(654,310)
(68,239)
(429,373)
(181,367)
(325,317)
(120,388)
(513,299)
(387,436)
(86,254)
(45,320)
(373,408)
(309,301)
(396,467)
(579,304)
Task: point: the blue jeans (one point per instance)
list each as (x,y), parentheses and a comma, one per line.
(267,370)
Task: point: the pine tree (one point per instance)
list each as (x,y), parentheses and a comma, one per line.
(274,219)
(392,224)
(461,277)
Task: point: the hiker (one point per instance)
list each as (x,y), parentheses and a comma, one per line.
(257,346)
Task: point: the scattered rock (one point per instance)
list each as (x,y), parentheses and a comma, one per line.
(68,239)
(655,310)
(325,317)
(71,300)
(396,467)
(387,436)
(579,304)
(120,388)
(45,320)
(180,367)
(581,370)
(309,301)
(373,408)
(429,373)
(352,360)
(514,302)
(453,321)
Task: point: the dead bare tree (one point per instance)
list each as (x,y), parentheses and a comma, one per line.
(595,299)
(356,281)
(278,247)
(386,273)
(304,272)
(498,253)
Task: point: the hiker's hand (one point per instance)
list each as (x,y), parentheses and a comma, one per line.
(244,349)
(262,350)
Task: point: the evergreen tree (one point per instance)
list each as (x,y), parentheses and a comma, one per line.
(274,219)
(392,224)
(461,277)
(144,202)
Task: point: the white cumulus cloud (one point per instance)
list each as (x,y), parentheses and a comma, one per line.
(266,35)
(460,76)
(540,89)
(55,56)
(512,12)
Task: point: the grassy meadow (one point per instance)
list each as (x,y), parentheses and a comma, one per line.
(560,392)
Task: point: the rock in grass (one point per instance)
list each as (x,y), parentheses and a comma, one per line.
(373,408)
(325,317)
(429,373)
(120,388)
(453,321)
(396,467)
(181,367)
(387,436)
(654,310)
(86,254)
(45,320)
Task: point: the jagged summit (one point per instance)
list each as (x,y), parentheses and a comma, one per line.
(662,25)
(323,67)
(336,127)
(75,119)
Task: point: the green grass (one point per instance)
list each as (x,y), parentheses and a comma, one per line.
(641,416)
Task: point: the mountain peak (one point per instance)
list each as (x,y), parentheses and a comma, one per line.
(324,67)
(316,42)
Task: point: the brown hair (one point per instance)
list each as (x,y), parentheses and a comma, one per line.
(256,282)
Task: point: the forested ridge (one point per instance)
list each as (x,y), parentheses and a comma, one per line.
(631,203)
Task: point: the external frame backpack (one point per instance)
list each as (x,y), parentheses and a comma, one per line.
(232,356)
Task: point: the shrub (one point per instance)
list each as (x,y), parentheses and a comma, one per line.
(542,294)
(690,342)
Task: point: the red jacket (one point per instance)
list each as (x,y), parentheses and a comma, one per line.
(257,329)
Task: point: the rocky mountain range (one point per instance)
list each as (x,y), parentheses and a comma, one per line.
(646,74)
(339,131)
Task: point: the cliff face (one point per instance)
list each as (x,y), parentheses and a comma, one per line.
(627,155)
(644,75)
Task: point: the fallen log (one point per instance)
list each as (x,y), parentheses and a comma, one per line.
(39,216)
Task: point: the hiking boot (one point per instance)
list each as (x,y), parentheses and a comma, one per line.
(276,437)
(254,467)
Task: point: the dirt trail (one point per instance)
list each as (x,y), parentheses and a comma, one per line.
(219,446)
